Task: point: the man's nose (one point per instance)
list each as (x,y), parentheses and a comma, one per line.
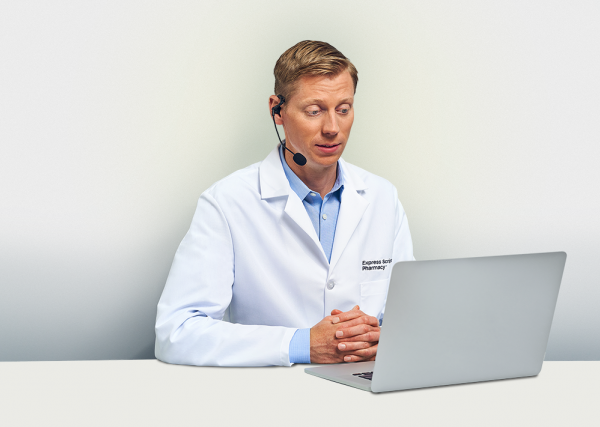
(330,125)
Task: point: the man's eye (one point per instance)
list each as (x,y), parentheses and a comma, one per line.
(344,110)
(313,112)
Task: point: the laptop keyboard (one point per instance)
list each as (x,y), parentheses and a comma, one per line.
(365,375)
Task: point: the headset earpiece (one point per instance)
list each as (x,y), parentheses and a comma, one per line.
(298,158)
(277,109)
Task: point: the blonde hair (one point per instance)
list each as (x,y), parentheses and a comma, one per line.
(309,58)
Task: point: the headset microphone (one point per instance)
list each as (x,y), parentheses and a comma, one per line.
(299,159)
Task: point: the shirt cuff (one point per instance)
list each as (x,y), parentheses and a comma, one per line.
(300,346)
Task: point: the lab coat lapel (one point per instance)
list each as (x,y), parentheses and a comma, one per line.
(273,183)
(297,212)
(352,209)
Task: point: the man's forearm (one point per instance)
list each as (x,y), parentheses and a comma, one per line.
(202,341)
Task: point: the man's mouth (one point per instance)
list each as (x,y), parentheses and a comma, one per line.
(327,145)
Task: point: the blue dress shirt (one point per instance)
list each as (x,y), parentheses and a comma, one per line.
(323,214)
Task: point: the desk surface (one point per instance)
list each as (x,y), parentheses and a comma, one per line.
(148,393)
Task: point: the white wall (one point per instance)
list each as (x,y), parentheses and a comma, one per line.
(114,117)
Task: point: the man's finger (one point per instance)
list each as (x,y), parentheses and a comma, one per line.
(348,315)
(371,336)
(355,330)
(353,358)
(353,346)
(366,353)
(364,319)
(336,311)
(362,355)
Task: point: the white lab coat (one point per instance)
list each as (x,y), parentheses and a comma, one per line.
(252,255)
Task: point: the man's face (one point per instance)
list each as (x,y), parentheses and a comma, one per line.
(318,118)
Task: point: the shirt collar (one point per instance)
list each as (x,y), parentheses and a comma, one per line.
(300,187)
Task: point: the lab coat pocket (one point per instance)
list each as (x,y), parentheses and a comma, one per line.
(372,296)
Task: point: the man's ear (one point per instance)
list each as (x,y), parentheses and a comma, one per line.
(273,101)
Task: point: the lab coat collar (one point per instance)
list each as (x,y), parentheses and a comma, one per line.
(351,179)
(273,183)
(300,187)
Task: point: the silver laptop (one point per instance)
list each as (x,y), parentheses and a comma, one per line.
(460,321)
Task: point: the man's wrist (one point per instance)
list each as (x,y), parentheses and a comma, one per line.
(300,346)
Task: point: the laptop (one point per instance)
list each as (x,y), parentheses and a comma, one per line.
(460,321)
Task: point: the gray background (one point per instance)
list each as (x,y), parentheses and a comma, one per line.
(115,116)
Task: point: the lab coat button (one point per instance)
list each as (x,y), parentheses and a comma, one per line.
(330,285)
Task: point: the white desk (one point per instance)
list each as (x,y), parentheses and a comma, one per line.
(149,393)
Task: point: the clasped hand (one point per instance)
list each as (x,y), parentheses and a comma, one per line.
(350,336)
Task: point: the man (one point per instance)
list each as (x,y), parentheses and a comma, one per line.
(296,256)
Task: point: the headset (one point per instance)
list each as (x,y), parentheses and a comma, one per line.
(299,159)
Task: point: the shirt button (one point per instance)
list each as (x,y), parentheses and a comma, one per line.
(313,194)
(324,216)
(330,285)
